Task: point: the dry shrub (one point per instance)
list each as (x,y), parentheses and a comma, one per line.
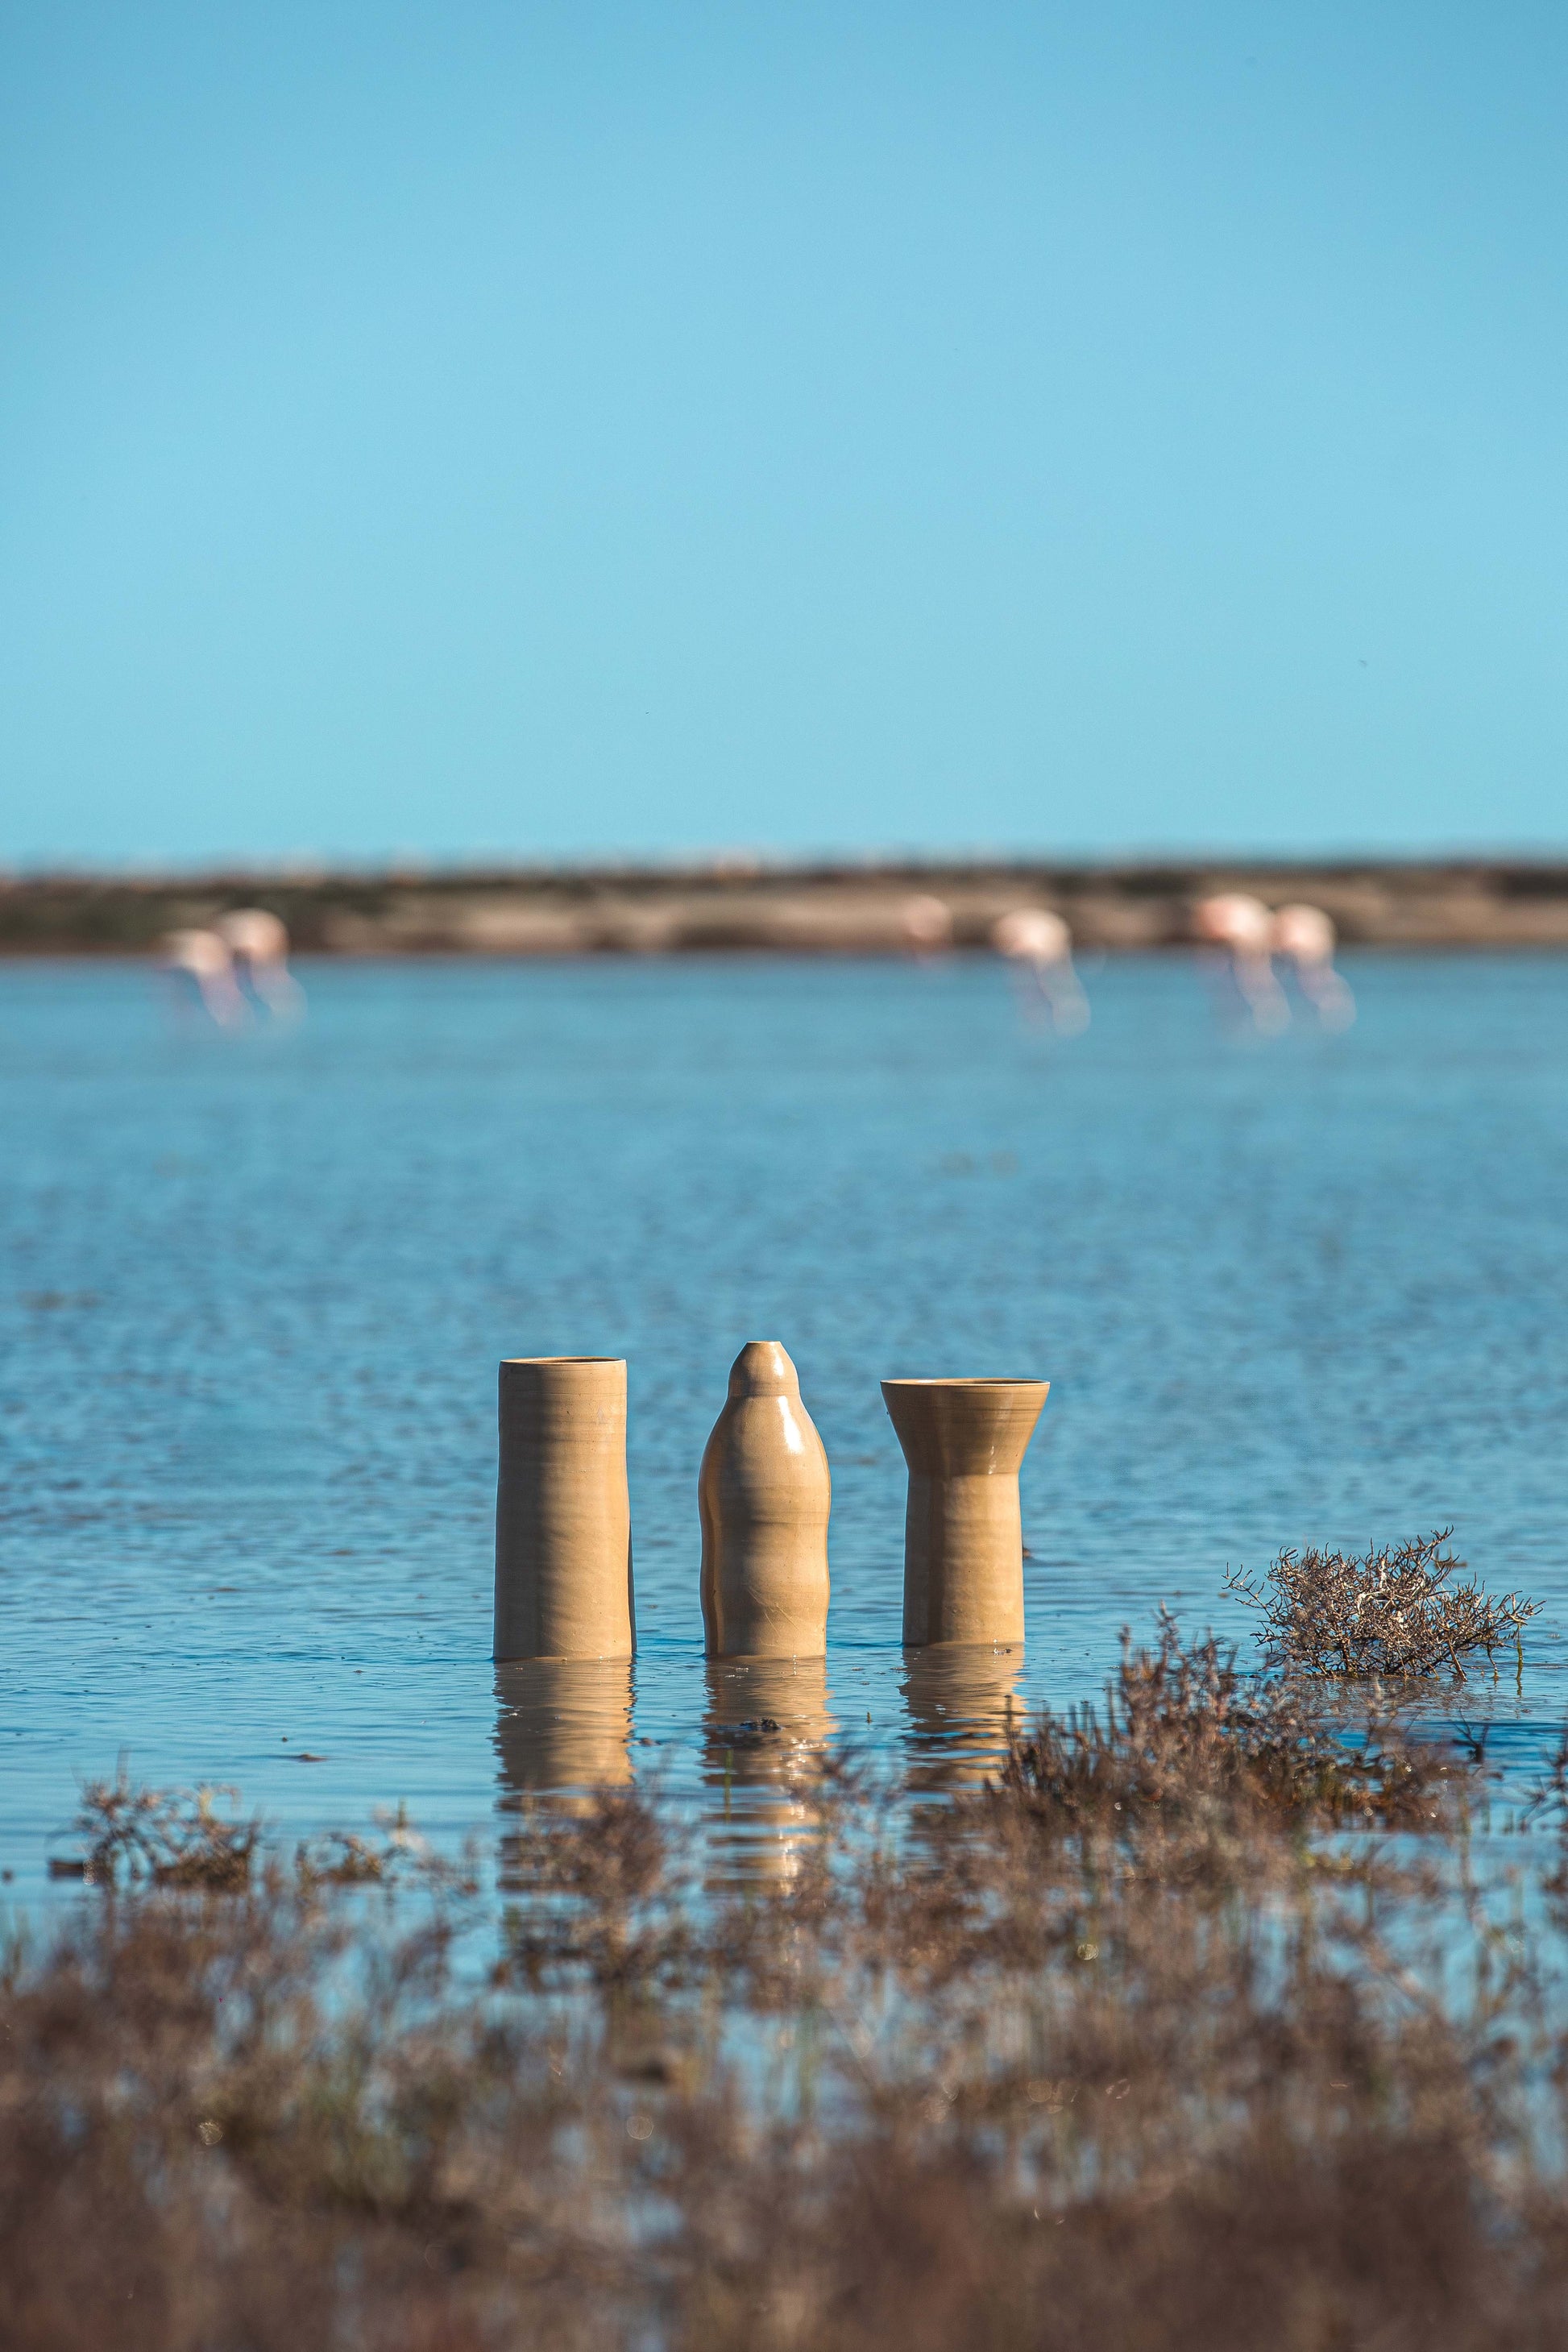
(344,1858)
(174,1837)
(1024,2079)
(1186,1732)
(1390,1612)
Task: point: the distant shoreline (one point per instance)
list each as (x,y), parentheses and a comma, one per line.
(822,908)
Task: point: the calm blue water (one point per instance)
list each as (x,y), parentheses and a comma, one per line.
(253,1290)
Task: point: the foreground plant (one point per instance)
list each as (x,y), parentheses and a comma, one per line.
(1021,2079)
(1385,1612)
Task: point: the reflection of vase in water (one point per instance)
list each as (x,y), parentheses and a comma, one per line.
(562,1731)
(964,1710)
(764,1739)
(963,1540)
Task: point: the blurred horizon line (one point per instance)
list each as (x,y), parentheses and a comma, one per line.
(738,864)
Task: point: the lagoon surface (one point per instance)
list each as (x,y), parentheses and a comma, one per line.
(253,1290)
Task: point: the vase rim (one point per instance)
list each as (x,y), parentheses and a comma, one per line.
(563,1359)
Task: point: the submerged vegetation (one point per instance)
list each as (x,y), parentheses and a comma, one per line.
(1201,2026)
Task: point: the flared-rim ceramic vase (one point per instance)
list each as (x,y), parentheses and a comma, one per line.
(965,1442)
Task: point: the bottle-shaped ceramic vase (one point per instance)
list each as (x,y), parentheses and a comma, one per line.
(563,1538)
(963,1539)
(763,1496)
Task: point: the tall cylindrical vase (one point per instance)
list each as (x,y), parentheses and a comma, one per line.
(564,1544)
(963,1540)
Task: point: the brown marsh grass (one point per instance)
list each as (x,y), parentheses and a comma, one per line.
(1195,2029)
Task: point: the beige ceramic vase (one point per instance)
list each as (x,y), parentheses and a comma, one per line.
(764,1495)
(563,1543)
(963,1539)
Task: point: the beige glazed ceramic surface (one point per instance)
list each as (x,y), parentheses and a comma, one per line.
(963,1539)
(564,1542)
(763,1496)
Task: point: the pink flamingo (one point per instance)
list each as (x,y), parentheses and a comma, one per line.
(927,924)
(1305,936)
(1037,943)
(1244,927)
(258,944)
(200,965)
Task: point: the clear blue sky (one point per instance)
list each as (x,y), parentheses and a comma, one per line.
(587,426)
